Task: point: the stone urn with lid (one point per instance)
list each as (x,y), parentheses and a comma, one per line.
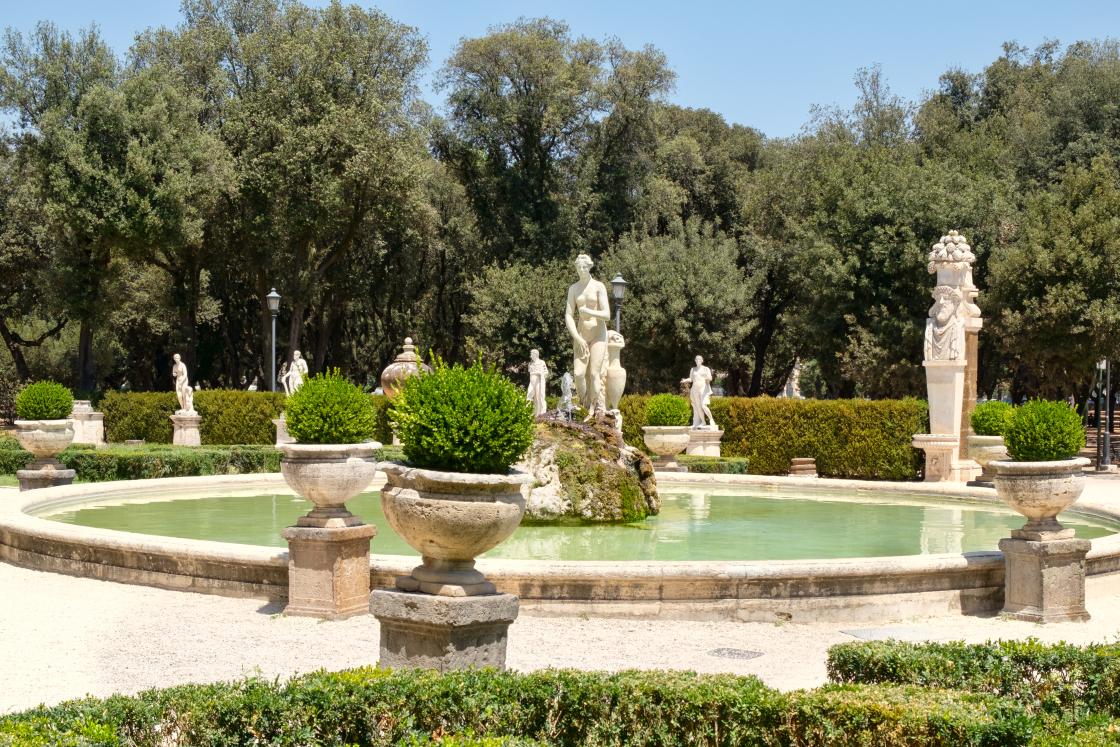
(406,364)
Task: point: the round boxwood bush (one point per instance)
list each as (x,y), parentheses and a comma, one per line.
(328,409)
(1042,431)
(668,409)
(459,419)
(44,400)
(990,418)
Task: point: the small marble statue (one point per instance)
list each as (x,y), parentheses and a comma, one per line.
(293,378)
(700,391)
(565,404)
(945,327)
(182,387)
(586,315)
(253,386)
(538,380)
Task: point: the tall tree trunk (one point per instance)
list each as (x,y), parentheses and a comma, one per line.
(85,358)
(295,330)
(265,367)
(17,352)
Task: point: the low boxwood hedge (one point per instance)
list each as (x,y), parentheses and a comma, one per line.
(117,462)
(716,465)
(229,416)
(1056,679)
(555,707)
(848,438)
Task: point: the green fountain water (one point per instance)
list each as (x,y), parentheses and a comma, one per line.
(696,523)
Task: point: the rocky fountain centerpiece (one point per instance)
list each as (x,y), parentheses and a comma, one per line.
(667,434)
(985,444)
(43,428)
(455,498)
(1045,563)
(331,461)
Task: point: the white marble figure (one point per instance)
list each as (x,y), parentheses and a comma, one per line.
(293,378)
(538,380)
(945,327)
(182,387)
(586,315)
(700,391)
(565,405)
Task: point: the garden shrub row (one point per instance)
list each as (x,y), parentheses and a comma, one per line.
(229,416)
(554,707)
(1060,680)
(848,437)
(716,465)
(152,460)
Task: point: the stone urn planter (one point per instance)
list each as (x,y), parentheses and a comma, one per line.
(1040,491)
(450,518)
(666,441)
(985,449)
(328,475)
(45,439)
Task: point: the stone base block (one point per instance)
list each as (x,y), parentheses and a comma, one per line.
(803,467)
(1045,581)
(703,442)
(33,479)
(282,436)
(328,570)
(942,464)
(89,426)
(186,429)
(420,631)
(668,464)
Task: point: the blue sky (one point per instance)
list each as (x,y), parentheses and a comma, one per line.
(758,64)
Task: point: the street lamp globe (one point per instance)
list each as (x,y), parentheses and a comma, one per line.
(618,285)
(273,299)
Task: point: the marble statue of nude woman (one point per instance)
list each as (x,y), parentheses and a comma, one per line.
(586,316)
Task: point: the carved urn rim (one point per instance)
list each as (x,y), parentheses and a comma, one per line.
(1011,468)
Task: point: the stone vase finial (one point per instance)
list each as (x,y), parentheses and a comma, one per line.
(406,364)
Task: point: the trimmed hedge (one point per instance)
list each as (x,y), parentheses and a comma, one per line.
(716,465)
(152,460)
(383,427)
(229,416)
(1059,679)
(848,437)
(556,707)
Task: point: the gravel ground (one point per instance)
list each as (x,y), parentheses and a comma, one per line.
(64,637)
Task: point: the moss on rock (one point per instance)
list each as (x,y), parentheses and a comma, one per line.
(585,472)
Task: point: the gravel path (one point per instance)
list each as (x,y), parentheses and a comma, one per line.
(64,637)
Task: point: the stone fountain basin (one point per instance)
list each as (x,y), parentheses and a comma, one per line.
(451,515)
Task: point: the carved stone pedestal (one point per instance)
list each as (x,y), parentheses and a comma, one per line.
(186,429)
(89,426)
(421,631)
(328,569)
(1045,581)
(942,464)
(703,441)
(282,436)
(44,473)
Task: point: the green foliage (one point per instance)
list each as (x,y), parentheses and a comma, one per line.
(1042,431)
(633,409)
(1060,680)
(328,409)
(44,400)
(716,465)
(558,708)
(383,426)
(153,460)
(990,418)
(667,409)
(848,438)
(463,419)
(229,416)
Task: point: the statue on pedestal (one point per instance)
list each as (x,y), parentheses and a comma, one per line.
(945,327)
(586,315)
(538,380)
(292,379)
(700,392)
(182,387)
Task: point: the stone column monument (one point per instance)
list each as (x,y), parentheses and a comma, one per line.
(186,419)
(952,318)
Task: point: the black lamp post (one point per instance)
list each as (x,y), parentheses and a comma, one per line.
(273,299)
(618,285)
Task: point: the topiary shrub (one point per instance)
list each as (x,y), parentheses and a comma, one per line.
(668,409)
(1043,431)
(44,400)
(328,409)
(463,420)
(990,418)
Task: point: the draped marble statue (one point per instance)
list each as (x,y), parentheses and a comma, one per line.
(945,326)
(700,379)
(293,378)
(538,380)
(183,390)
(586,315)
